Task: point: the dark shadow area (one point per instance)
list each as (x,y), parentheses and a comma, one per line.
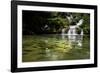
(45,22)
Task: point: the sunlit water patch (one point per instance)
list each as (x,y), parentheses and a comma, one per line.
(55,47)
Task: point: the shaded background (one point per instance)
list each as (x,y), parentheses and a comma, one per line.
(40,22)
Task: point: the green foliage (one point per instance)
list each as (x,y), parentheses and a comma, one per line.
(86,24)
(57,21)
(35,22)
(78,30)
(60,20)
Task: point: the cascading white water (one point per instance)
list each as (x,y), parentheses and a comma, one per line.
(81,32)
(72,33)
(72,29)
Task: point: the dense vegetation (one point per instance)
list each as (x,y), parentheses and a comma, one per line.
(39,22)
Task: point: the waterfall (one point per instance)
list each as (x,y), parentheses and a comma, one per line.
(81,32)
(72,30)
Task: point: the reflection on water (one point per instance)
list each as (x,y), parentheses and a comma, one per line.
(76,39)
(73,40)
(55,47)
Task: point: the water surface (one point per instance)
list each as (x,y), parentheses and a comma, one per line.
(52,47)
